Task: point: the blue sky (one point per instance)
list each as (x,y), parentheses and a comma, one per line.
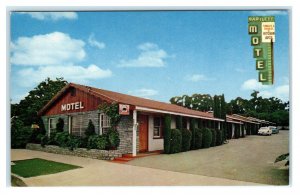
(152,54)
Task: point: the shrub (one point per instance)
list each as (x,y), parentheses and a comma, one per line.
(62,139)
(20,134)
(97,142)
(186,140)
(206,138)
(167,134)
(179,122)
(219,137)
(35,136)
(198,138)
(83,142)
(51,139)
(90,129)
(44,141)
(176,139)
(113,139)
(237,132)
(73,142)
(60,125)
(213,136)
(193,129)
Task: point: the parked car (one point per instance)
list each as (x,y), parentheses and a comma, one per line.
(265,131)
(274,129)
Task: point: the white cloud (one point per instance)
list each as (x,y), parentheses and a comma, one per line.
(268,13)
(31,76)
(253,84)
(52,15)
(196,77)
(50,49)
(150,56)
(94,43)
(281,92)
(146,93)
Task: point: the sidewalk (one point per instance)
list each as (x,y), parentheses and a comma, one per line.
(105,173)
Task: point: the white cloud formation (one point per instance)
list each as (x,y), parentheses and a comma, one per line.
(253,84)
(196,77)
(281,91)
(146,93)
(54,48)
(268,13)
(52,15)
(94,43)
(150,56)
(31,76)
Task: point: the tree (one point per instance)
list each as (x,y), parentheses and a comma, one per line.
(167,133)
(60,125)
(36,99)
(90,129)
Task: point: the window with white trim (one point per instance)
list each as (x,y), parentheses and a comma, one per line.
(52,125)
(157,127)
(104,123)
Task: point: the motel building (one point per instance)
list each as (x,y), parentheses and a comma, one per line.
(141,125)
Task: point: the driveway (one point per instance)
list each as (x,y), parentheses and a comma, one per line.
(246,159)
(106,173)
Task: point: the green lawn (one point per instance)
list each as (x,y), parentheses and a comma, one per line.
(36,166)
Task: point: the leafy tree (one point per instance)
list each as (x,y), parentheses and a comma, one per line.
(36,99)
(167,133)
(179,122)
(20,134)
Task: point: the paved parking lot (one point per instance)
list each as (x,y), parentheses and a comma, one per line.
(246,159)
(105,173)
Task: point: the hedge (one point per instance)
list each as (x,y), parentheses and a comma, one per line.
(206,137)
(167,134)
(193,129)
(186,140)
(219,137)
(213,140)
(175,141)
(198,138)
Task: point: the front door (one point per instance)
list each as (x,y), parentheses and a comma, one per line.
(143,132)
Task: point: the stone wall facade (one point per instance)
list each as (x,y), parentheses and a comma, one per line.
(81,152)
(124,127)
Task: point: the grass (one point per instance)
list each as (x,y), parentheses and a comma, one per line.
(36,166)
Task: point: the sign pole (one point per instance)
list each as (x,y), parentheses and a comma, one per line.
(272,60)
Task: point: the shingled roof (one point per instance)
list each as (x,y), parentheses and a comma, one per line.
(111,96)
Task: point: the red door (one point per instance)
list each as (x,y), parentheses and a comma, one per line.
(143,132)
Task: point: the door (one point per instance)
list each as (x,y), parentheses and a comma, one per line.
(143,133)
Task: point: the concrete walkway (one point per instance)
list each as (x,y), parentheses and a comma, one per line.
(105,173)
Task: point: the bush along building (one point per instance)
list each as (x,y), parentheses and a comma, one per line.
(134,125)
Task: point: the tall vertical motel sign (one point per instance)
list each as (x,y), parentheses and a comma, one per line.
(262,32)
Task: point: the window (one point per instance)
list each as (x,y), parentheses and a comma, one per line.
(78,124)
(52,125)
(104,123)
(157,127)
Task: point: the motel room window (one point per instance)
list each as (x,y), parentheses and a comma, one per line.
(52,125)
(78,124)
(157,127)
(104,123)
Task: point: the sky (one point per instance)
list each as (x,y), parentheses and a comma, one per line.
(151,54)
